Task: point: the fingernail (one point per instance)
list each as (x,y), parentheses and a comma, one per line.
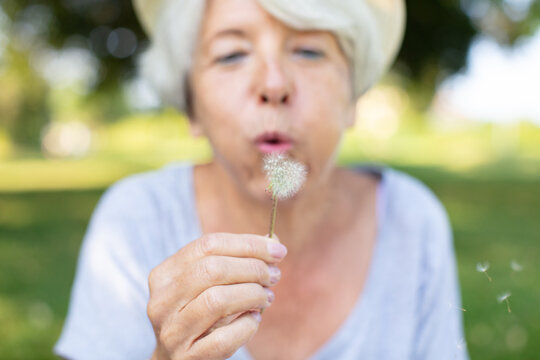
(270,294)
(277,250)
(257,316)
(275,274)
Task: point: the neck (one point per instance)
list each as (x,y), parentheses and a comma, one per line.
(242,214)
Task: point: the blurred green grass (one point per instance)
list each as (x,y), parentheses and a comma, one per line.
(494,213)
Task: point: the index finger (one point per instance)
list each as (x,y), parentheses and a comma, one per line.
(241,245)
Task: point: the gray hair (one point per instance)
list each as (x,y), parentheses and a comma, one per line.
(167,62)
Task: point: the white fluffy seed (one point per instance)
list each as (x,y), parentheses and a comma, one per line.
(286,176)
(503,296)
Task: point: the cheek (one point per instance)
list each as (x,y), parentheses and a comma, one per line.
(219,108)
(327,102)
(328,92)
(224,93)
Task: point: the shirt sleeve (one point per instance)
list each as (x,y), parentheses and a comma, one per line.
(439,327)
(107,313)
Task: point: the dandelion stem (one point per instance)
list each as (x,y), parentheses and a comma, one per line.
(489,278)
(273,216)
(272,221)
(508,305)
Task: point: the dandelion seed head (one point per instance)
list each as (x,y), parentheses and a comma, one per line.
(286,176)
(503,296)
(482,267)
(516,266)
(452,306)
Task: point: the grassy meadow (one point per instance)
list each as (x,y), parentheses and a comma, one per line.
(494,208)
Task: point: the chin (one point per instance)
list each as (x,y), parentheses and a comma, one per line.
(260,193)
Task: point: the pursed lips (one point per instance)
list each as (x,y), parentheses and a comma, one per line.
(274,141)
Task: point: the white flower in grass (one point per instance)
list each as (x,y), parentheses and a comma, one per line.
(504,297)
(483,268)
(286,176)
(516,266)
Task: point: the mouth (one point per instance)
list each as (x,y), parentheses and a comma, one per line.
(270,142)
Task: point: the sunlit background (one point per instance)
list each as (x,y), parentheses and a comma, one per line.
(460,110)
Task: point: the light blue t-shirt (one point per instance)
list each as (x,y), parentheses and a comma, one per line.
(409,308)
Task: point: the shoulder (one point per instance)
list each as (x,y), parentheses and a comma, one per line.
(142,194)
(413,198)
(405,196)
(148,215)
(406,204)
(417,214)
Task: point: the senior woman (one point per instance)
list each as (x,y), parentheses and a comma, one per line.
(174,264)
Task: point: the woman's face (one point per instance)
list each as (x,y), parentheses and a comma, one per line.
(259,86)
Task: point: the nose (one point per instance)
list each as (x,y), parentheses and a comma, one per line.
(275,88)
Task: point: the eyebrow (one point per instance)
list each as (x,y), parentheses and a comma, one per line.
(230,32)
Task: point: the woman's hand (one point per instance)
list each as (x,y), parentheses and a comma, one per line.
(205,299)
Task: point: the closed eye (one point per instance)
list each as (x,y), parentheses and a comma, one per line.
(310,53)
(231,57)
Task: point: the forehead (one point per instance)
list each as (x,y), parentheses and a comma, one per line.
(225,12)
(239,18)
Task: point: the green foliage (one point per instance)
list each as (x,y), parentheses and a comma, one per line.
(23,104)
(435,45)
(40,235)
(70,20)
(495,219)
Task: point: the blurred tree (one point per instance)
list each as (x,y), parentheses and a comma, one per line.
(439,33)
(437,37)
(108,28)
(23,103)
